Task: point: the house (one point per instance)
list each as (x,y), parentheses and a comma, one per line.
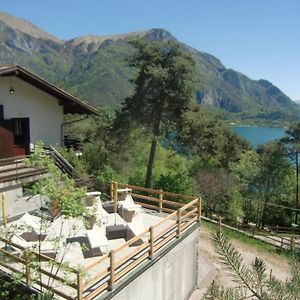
(32,109)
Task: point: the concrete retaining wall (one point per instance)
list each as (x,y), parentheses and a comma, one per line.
(172,276)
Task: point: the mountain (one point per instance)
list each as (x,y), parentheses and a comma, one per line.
(94,68)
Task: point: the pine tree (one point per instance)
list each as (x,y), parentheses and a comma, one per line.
(252,281)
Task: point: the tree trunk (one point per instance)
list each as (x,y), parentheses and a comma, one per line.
(297,188)
(148,181)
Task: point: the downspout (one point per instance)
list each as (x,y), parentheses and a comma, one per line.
(67,123)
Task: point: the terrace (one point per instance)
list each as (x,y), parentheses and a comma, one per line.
(93,261)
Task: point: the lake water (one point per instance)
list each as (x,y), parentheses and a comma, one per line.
(256,135)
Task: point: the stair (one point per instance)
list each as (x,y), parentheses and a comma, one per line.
(13,169)
(61,162)
(68,169)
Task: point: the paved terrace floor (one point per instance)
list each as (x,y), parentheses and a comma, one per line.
(72,252)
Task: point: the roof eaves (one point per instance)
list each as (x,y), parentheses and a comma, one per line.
(48,87)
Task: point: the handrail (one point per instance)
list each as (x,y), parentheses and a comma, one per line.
(26,270)
(123,259)
(61,162)
(139,188)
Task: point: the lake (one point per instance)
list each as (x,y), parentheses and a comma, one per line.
(256,135)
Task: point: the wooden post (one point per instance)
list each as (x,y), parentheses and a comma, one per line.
(79,286)
(160,201)
(115,197)
(151,252)
(112,191)
(219,226)
(281,245)
(292,242)
(178,222)
(27,268)
(276,229)
(253,230)
(112,270)
(199,206)
(4,214)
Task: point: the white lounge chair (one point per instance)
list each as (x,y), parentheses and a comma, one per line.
(97,239)
(72,254)
(32,222)
(63,227)
(97,208)
(128,209)
(135,228)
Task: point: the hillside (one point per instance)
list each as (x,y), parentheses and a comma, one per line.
(94,68)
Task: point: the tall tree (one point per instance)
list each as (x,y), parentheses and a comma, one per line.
(209,139)
(163,90)
(246,170)
(271,181)
(292,140)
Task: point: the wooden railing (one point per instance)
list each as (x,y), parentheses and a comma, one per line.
(268,234)
(123,259)
(273,235)
(110,268)
(23,262)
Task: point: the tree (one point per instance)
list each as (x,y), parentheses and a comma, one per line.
(163,90)
(215,186)
(246,170)
(253,282)
(292,140)
(272,182)
(209,139)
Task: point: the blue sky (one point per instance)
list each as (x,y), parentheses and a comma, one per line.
(260,38)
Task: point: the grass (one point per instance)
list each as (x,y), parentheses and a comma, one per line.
(235,235)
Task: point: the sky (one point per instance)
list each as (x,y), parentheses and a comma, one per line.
(259,38)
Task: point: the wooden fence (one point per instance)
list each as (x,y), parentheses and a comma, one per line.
(24,263)
(106,271)
(272,234)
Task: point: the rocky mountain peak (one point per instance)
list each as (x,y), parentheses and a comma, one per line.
(26,27)
(159,34)
(95,68)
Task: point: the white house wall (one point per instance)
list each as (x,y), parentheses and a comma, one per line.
(43,110)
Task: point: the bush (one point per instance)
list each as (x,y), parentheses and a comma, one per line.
(180,183)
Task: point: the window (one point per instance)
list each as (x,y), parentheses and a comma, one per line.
(21,131)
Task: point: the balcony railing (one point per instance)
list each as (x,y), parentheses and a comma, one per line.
(103,273)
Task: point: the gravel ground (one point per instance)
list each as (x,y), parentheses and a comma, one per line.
(211,269)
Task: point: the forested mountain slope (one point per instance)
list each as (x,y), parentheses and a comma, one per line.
(94,68)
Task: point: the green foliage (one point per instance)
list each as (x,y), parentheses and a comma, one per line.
(97,72)
(58,187)
(79,165)
(180,183)
(106,174)
(264,176)
(163,90)
(272,183)
(209,139)
(292,141)
(214,186)
(252,281)
(235,210)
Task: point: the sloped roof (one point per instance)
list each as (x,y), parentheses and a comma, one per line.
(70,103)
